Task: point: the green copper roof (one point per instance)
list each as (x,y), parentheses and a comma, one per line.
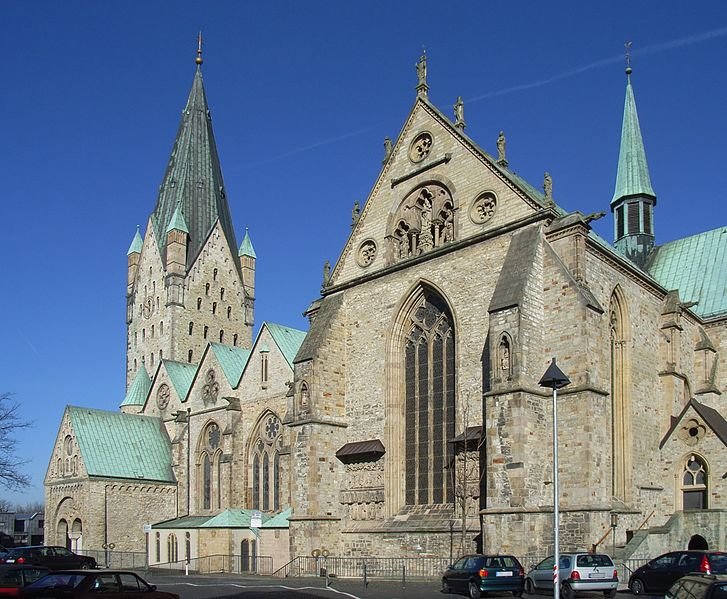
(246,248)
(696,267)
(139,389)
(229,518)
(181,374)
(177,221)
(287,339)
(632,178)
(136,244)
(121,445)
(232,360)
(193,178)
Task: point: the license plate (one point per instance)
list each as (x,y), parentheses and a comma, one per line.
(503,574)
(596,575)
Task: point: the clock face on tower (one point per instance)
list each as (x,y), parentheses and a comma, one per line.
(163,396)
(147,307)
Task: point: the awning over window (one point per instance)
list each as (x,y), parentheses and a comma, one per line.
(372,448)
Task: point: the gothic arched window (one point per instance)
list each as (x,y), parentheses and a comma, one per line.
(429,411)
(694,484)
(172,548)
(266,464)
(620,411)
(209,467)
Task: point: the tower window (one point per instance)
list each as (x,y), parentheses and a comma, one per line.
(222,293)
(207,289)
(143,334)
(234,340)
(152,331)
(647,219)
(135,337)
(191,327)
(222,335)
(151,360)
(634,225)
(264,367)
(199,303)
(620,228)
(161,327)
(214,307)
(214,274)
(229,311)
(189,356)
(206,330)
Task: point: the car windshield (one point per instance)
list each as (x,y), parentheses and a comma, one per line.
(718,563)
(59,580)
(594,561)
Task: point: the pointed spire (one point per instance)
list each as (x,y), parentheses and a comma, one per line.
(193,178)
(139,389)
(421,65)
(136,244)
(177,221)
(246,248)
(632,178)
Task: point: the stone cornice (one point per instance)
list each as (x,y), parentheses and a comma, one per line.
(539,392)
(422,169)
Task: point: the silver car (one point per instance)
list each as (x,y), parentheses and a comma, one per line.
(578,572)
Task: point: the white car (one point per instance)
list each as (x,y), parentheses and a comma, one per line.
(578,572)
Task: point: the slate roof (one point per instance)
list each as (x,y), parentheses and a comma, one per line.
(246,248)
(177,221)
(229,518)
(510,288)
(232,360)
(711,417)
(181,374)
(697,267)
(136,244)
(358,448)
(118,445)
(319,328)
(193,179)
(139,389)
(287,339)
(632,178)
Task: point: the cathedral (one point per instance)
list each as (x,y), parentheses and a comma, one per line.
(410,412)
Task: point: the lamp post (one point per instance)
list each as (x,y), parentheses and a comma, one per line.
(614,524)
(555,379)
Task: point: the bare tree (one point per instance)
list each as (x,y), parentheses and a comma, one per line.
(466,472)
(11,466)
(6,506)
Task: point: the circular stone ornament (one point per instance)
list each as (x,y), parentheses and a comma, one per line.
(366,253)
(421,146)
(483,208)
(163,396)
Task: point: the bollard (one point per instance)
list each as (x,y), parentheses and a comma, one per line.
(365,578)
(403,576)
(186,567)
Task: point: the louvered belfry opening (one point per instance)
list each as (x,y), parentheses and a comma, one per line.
(430,403)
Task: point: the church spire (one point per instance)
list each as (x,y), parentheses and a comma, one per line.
(193,178)
(634,198)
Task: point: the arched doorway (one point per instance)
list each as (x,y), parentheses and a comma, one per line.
(698,542)
(62,537)
(76,540)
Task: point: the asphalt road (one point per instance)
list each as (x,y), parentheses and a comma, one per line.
(208,587)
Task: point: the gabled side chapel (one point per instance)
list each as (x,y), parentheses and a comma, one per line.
(411,408)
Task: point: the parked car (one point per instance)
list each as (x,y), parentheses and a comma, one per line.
(87,584)
(474,575)
(699,586)
(53,558)
(13,577)
(578,572)
(661,572)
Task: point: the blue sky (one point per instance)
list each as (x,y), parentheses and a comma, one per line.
(302,95)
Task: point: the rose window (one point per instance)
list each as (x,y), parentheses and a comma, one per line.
(272,427)
(420,147)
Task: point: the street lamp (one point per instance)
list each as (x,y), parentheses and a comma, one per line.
(555,379)
(614,524)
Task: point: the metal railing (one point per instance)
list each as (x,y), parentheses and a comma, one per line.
(217,564)
(121,560)
(364,567)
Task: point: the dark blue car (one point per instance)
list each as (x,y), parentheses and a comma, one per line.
(474,575)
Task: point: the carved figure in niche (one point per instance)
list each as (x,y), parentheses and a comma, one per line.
(211,388)
(505,361)
(366,253)
(424,220)
(304,400)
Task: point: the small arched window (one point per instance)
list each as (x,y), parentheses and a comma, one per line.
(229,311)
(191,327)
(189,356)
(151,360)
(206,330)
(234,340)
(207,289)
(152,331)
(214,274)
(222,293)
(143,334)
(161,327)
(199,303)
(222,335)
(694,484)
(158,547)
(135,338)
(135,366)
(214,307)
(172,548)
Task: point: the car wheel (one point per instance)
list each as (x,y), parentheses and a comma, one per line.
(637,587)
(566,591)
(529,586)
(474,591)
(517,593)
(445,586)
(610,594)
(85,566)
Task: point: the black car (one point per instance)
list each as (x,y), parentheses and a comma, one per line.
(699,586)
(660,573)
(53,558)
(88,584)
(475,575)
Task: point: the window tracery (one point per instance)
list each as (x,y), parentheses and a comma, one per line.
(210,452)
(424,221)
(694,484)
(266,464)
(429,383)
